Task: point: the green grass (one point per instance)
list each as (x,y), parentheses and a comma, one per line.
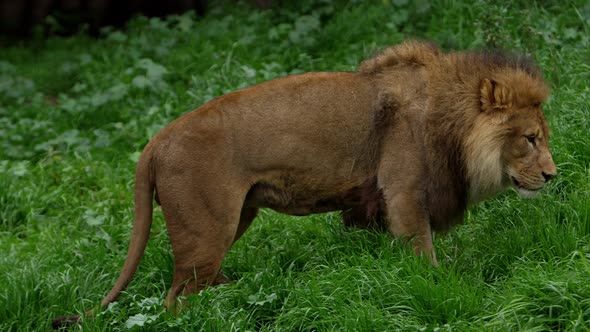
(75,112)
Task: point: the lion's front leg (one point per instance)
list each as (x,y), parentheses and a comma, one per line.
(408,219)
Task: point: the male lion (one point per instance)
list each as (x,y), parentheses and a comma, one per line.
(412,137)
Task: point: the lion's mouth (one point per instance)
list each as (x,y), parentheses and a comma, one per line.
(523,191)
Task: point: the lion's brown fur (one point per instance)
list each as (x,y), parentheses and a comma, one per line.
(409,140)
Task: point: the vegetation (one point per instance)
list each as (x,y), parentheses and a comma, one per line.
(75,113)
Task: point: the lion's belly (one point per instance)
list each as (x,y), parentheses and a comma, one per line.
(303,201)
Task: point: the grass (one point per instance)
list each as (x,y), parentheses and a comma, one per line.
(75,113)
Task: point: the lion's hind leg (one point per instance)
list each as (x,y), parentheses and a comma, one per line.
(202,221)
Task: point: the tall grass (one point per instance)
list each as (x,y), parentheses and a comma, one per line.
(75,112)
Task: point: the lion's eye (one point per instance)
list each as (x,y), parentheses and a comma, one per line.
(531,139)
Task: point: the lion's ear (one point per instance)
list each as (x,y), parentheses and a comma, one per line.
(494,96)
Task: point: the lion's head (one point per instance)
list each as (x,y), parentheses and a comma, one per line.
(528,161)
(509,142)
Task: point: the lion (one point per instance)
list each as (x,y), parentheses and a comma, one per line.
(408,141)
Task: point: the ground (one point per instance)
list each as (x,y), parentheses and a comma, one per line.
(75,112)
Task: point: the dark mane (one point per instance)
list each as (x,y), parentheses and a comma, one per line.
(498,58)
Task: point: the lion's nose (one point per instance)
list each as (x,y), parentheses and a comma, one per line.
(548,176)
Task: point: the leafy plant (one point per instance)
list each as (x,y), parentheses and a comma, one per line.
(76,112)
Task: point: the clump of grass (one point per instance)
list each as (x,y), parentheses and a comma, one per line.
(75,113)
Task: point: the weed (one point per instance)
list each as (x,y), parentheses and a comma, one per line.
(75,113)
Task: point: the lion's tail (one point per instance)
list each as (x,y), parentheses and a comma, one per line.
(144,194)
(144,190)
